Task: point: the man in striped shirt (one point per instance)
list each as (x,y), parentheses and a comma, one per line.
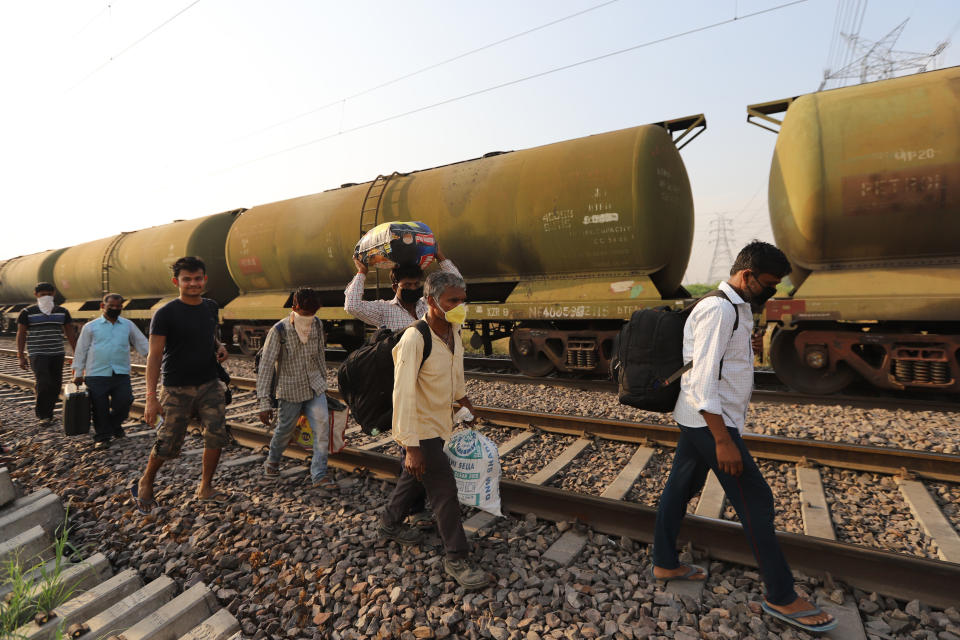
(40,330)
(711,411)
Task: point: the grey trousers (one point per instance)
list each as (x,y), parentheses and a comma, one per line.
(441,489)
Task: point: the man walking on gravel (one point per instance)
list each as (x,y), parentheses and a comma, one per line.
(293,359)
(40,331)
(711,411)
(102,360)
(183,335)
(407,306)
(423,395)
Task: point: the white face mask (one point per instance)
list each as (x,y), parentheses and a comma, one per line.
(46,304)
(302,324)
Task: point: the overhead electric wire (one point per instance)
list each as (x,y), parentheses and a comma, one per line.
(135,43)
(424,69)
(515,81)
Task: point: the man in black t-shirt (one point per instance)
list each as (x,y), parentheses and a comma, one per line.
(183,336)
(40,330)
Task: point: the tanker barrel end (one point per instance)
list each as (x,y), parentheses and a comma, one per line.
(689,128)
(766,110)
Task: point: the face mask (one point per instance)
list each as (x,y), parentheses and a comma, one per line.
(46,304)
(113,313)
(411,296)
(457,315)
(757,299)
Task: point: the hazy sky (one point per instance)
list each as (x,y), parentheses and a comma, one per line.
(113,120)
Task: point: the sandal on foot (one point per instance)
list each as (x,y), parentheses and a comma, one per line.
(143,506)
(218,497)
(690,575)
(793,618)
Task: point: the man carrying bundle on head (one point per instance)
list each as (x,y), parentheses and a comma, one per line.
(408,304)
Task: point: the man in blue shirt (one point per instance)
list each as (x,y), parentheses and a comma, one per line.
(102,360)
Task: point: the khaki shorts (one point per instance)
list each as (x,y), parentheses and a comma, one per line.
(180,405)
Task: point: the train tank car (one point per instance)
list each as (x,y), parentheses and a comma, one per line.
(559,244)
(864,199)
(18,277)
(137,266)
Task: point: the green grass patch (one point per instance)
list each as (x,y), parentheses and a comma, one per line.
(35,586)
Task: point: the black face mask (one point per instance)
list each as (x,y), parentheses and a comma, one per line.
(411,296)
(757,299)
(112,313)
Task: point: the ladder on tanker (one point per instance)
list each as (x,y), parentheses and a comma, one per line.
(370,210)
(107,259)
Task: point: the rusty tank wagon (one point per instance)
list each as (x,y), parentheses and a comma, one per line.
(864,199)
(137,266)
(18,277)
(559,244)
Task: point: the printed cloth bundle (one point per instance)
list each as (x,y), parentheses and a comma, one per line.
(392,243)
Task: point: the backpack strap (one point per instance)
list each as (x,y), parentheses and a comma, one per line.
(424,330)
(716,293)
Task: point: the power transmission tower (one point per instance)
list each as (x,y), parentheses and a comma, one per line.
(721,236)
(877,59)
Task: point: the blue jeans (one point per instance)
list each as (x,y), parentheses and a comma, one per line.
(749,494)
(110,400)
(316,412)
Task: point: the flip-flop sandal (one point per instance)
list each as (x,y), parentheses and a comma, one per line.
(217,497)
(143,506)
(688,575)
(793,618)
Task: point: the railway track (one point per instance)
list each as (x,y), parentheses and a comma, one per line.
(897,575)
(768,387)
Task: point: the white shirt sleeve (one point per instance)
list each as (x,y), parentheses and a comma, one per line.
(712,325)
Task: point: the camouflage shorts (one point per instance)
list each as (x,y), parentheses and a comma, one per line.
(180,405)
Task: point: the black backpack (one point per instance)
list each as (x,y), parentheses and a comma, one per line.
(647,357)
(366,377)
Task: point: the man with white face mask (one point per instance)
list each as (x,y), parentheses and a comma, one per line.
(293,354)
(40,330)
(424,391)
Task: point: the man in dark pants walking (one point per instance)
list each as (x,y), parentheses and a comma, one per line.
(102,360)
(711,411)
(424,391)
(40,330)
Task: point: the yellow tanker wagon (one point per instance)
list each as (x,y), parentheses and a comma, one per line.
(137,265)
(559,244)
(18,277)
(865,201)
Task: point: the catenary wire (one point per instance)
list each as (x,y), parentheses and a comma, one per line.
(509,83)
(134,43)
(429,67)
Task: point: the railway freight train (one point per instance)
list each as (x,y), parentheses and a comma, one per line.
(559,245)
(865,201)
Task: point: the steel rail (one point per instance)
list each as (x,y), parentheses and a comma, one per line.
(900,576)
(762,378)
(885,460)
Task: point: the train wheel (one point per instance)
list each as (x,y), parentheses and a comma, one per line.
(534,364)
(245,347)
(792,370)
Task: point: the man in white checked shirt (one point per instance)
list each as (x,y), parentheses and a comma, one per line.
(711,411)
(408,304)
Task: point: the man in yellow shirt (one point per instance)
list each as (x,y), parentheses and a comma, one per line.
(423,398)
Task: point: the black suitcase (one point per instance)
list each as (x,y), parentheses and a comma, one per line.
(76,410)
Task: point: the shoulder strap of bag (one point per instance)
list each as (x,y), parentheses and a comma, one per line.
(716,293)
(424,330)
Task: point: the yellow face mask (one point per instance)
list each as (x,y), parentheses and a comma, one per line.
(457,315)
